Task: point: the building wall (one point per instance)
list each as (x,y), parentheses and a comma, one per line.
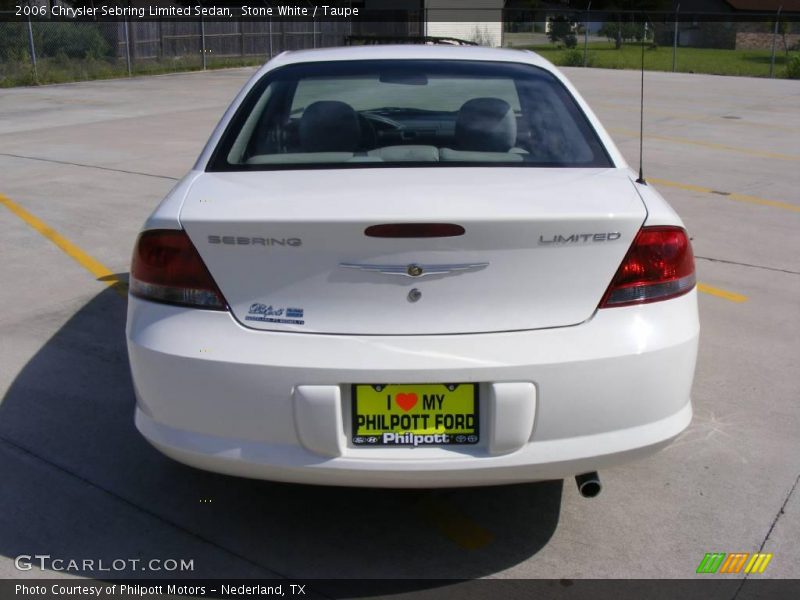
(711,34)
(750,40)
(484,26)
(487,34)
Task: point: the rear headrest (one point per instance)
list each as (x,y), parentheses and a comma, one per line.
(329,126)
(486,125)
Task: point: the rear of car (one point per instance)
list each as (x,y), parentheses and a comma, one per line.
(411,266)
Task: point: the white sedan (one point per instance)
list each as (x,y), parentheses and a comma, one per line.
(411,266)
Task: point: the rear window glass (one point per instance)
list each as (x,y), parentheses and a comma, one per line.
(408,113)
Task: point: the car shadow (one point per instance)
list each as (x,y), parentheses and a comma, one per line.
(84,484)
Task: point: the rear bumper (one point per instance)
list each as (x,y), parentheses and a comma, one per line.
(537,461)
(218,396)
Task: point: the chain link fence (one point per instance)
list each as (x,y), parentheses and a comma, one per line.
(42,51)
(37,52)
(764,48)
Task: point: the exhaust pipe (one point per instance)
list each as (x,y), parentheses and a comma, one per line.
(588,484)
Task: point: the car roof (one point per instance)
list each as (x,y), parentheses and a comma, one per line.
(408,52)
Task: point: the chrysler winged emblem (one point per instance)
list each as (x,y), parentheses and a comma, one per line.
(414,269)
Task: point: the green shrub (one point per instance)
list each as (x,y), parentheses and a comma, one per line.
(16,72)
(13,41)
(793,67)
(73,40)
(573,58)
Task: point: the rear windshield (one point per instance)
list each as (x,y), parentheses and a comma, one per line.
(387,113)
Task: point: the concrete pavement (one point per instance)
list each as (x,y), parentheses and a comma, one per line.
(92,159)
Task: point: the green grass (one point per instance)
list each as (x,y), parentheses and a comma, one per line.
(62,69)
(753,63)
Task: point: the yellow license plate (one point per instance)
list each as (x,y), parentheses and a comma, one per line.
(433,414)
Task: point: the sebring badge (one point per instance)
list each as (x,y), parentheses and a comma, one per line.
(238,240)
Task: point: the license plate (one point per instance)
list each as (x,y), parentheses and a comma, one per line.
(415,415)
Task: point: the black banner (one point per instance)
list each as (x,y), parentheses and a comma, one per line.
(703,588)
(373,11)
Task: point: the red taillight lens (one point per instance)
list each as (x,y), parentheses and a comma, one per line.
(166,267)
(659,265)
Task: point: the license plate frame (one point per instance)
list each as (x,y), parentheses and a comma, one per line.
(388,404)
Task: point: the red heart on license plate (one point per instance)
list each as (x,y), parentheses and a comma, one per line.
(406,401)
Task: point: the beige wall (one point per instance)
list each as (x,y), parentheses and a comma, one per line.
(488,29)
(753,40)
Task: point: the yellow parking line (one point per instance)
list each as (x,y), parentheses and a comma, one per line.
(714,145)
(96,268)
(719,293)
(727,195)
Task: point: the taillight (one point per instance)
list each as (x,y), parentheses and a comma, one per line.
(659,265)
(166,267)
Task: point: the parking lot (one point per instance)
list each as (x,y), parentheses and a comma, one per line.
(82,166)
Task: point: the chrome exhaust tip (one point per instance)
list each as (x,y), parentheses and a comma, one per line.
(588,484)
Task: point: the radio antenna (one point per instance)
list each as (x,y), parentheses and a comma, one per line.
(641,112)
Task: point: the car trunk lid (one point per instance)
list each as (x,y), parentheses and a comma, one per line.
(289,252)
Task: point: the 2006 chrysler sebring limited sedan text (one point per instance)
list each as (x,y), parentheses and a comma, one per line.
(411,266)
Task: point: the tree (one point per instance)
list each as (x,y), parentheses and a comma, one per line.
(619,31)
(562,29)
(626,13)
